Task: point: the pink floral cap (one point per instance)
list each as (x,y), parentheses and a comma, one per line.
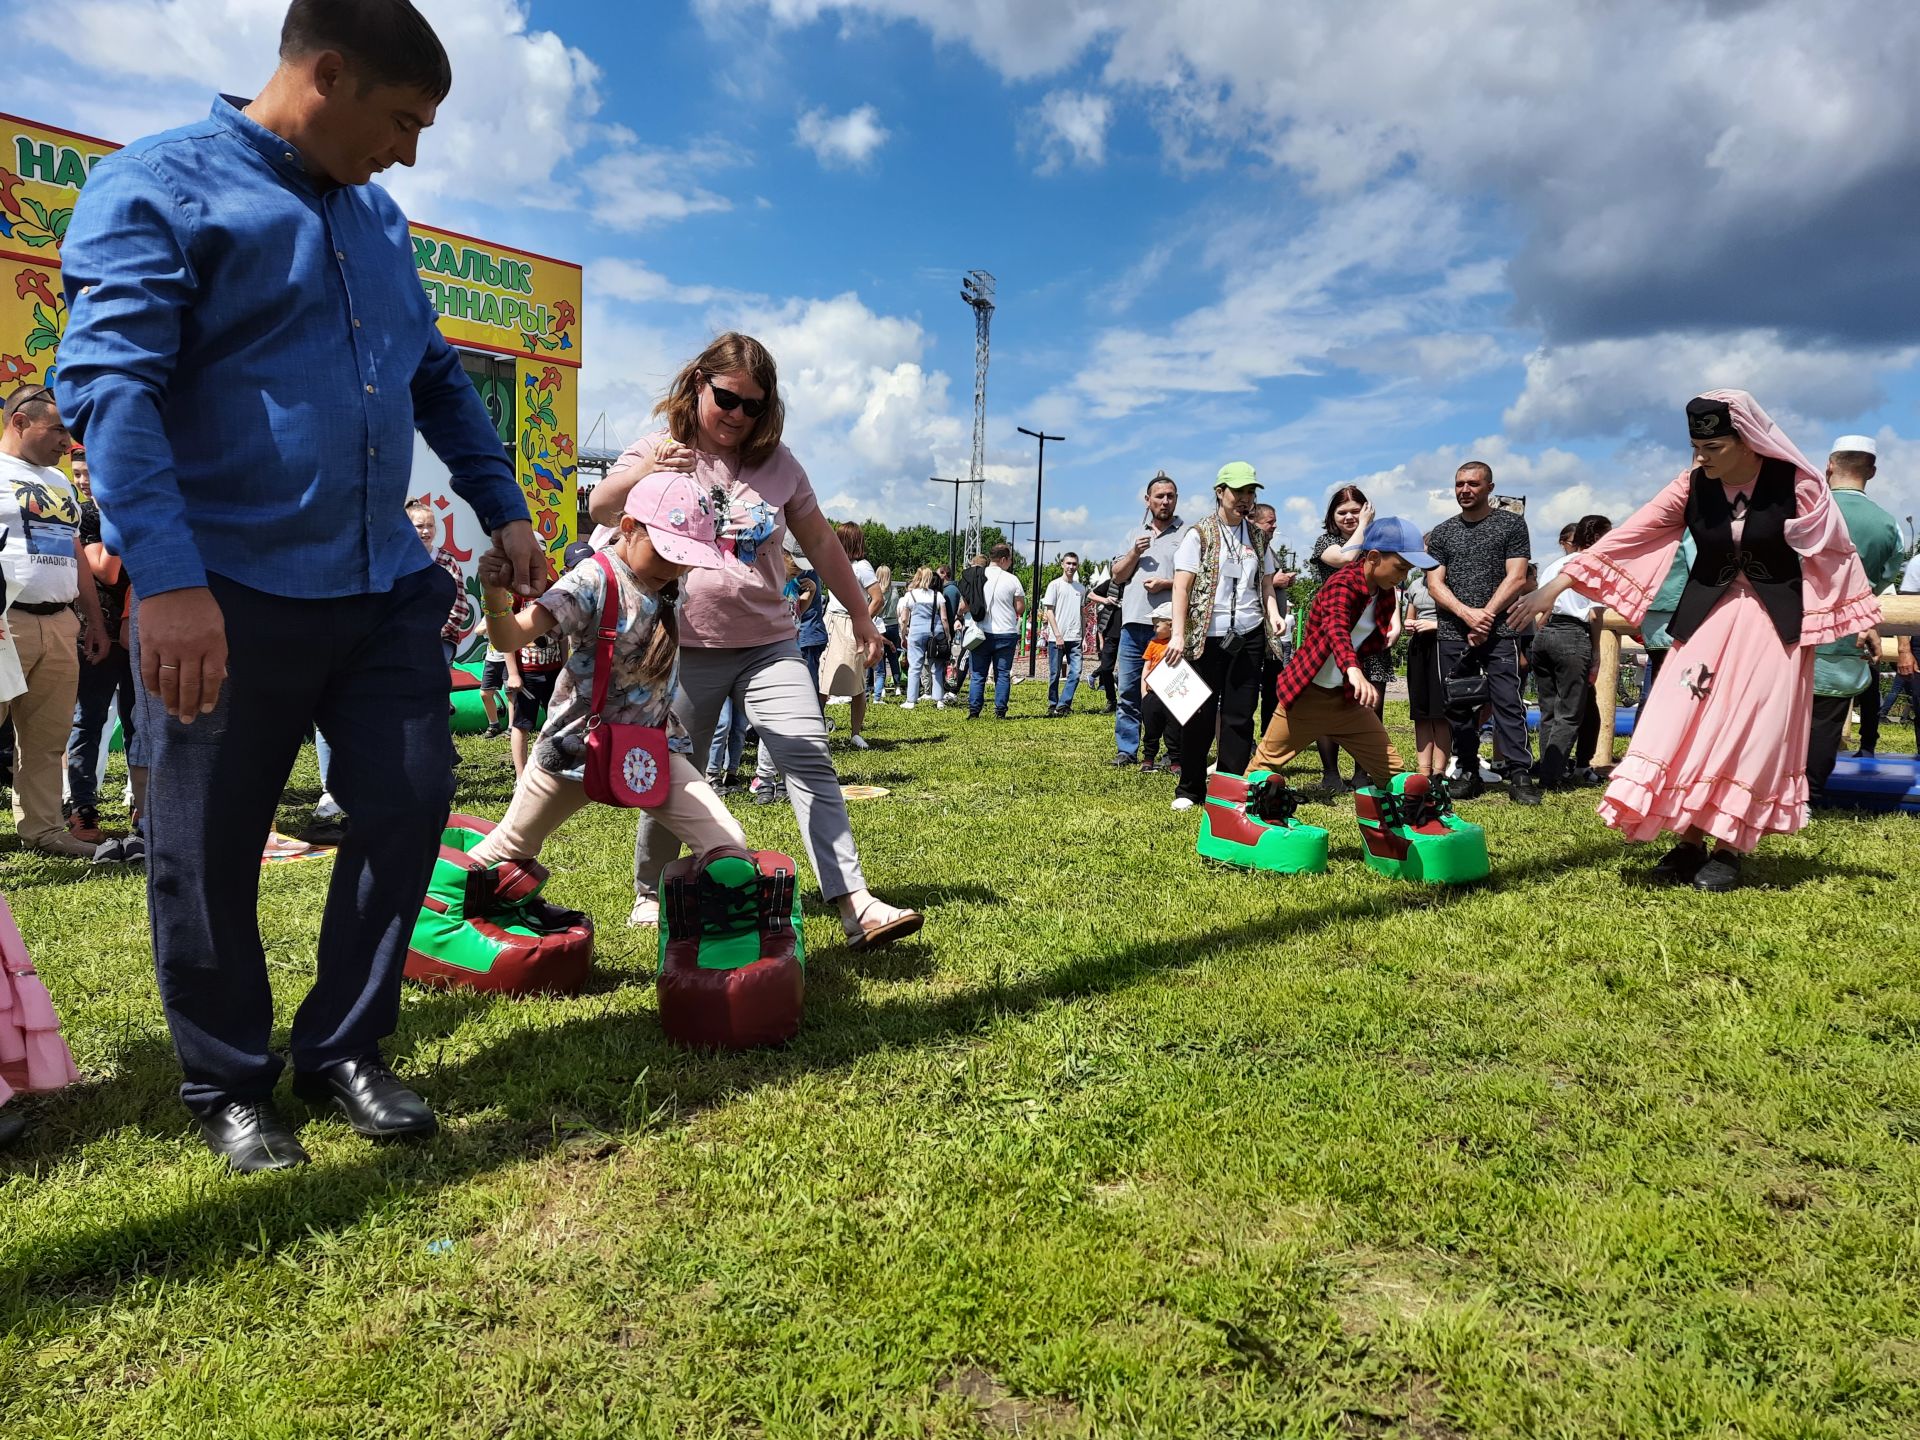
(680,519)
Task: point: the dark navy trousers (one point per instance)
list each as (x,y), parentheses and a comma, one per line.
(370,671)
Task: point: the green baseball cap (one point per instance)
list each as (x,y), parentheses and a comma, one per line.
(1236,475)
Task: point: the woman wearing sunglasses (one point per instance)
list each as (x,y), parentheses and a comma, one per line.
(723,420)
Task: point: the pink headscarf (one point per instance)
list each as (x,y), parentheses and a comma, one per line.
(1756,427)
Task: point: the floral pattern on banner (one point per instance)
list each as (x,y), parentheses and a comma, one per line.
(547,463)
(25,219)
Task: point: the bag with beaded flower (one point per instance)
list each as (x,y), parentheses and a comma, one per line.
(625,764)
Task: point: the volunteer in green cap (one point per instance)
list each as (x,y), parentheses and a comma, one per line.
(1224,617)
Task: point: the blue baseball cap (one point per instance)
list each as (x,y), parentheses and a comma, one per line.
(1389,534)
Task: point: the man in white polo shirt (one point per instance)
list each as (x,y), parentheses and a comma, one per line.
(1006,602)
(40,512)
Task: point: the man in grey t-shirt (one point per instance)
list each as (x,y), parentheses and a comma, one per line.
(1483,554)
(1145,568)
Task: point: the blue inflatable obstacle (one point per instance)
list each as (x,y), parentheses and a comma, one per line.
(1885,783)
(1623,719)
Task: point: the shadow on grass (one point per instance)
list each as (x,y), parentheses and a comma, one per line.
(611,1072)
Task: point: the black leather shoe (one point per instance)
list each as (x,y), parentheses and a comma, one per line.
(1720,874)
(371,1096)
(251,1134)
(1521,791)
(12,1127)
(1679,865)
(1468,787)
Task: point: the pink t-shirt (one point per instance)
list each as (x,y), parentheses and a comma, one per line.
(740,606)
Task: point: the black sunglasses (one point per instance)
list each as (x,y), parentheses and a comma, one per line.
(730,402)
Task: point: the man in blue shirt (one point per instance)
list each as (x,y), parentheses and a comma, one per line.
(248,355)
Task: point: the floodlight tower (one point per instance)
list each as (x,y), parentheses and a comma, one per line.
(976,288)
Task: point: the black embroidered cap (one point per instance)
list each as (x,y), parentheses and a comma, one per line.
(1709,420)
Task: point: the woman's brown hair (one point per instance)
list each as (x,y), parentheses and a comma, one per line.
(1341,497)
(729,354)
(853,539)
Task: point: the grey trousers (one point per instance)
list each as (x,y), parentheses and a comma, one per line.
(1562,654)
(777,691)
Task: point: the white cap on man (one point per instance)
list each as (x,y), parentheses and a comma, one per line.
(1856,445)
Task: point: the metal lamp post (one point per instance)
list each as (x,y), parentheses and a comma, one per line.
(953,535)
(1039,486)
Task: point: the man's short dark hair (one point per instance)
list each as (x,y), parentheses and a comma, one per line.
(1002,551)
(1857,463)
(35,401)
(1480,465)
(1070,556)
(387,42)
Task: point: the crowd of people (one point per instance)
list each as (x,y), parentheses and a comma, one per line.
(716,596)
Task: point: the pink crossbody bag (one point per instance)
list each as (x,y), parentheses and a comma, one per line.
(626,764)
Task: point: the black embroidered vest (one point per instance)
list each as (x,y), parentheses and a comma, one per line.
(1762,555)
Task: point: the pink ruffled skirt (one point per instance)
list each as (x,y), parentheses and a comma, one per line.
(32,1054)
(1721,744)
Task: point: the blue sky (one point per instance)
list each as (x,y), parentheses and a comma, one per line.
(1345,243)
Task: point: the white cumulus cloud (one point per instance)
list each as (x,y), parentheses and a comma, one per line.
(1073,129)
(847,141)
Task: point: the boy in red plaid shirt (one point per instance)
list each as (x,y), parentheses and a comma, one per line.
(1323,691)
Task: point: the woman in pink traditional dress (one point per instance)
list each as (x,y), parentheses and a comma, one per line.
(32,1054)
(1721,746)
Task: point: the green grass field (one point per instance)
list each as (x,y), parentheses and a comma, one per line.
(1121,1146)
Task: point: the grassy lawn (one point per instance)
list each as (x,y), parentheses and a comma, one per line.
(1123,1145)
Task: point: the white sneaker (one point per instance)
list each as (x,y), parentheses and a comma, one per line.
(939,704)
(1181,802)
(907,704)
(328,808)
(859,742)
(646,911)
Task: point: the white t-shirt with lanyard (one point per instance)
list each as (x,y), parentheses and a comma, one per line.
(1237,596)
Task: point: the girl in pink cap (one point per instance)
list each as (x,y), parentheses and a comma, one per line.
(665,532)
(1720,749)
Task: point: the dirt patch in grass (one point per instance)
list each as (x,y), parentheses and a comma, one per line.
(1003,1412)
(1409,1415)
(1382,1287)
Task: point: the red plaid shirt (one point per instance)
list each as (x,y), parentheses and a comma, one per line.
(1336,609)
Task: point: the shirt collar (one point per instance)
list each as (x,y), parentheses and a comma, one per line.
(276,150)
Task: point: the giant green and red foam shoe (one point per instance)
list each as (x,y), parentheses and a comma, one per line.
(1409,831)
(731,951)
(1249,820)
(485,927)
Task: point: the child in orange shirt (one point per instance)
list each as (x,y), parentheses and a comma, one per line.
(1155,719)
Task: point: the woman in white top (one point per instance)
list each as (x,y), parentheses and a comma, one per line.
(923,614)
(843,669)
(1564,658)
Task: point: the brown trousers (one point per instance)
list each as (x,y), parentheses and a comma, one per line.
(1318,714)
(42,719)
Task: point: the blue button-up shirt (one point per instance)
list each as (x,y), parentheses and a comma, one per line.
(248,353)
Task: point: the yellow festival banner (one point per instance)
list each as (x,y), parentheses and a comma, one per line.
(510,311)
